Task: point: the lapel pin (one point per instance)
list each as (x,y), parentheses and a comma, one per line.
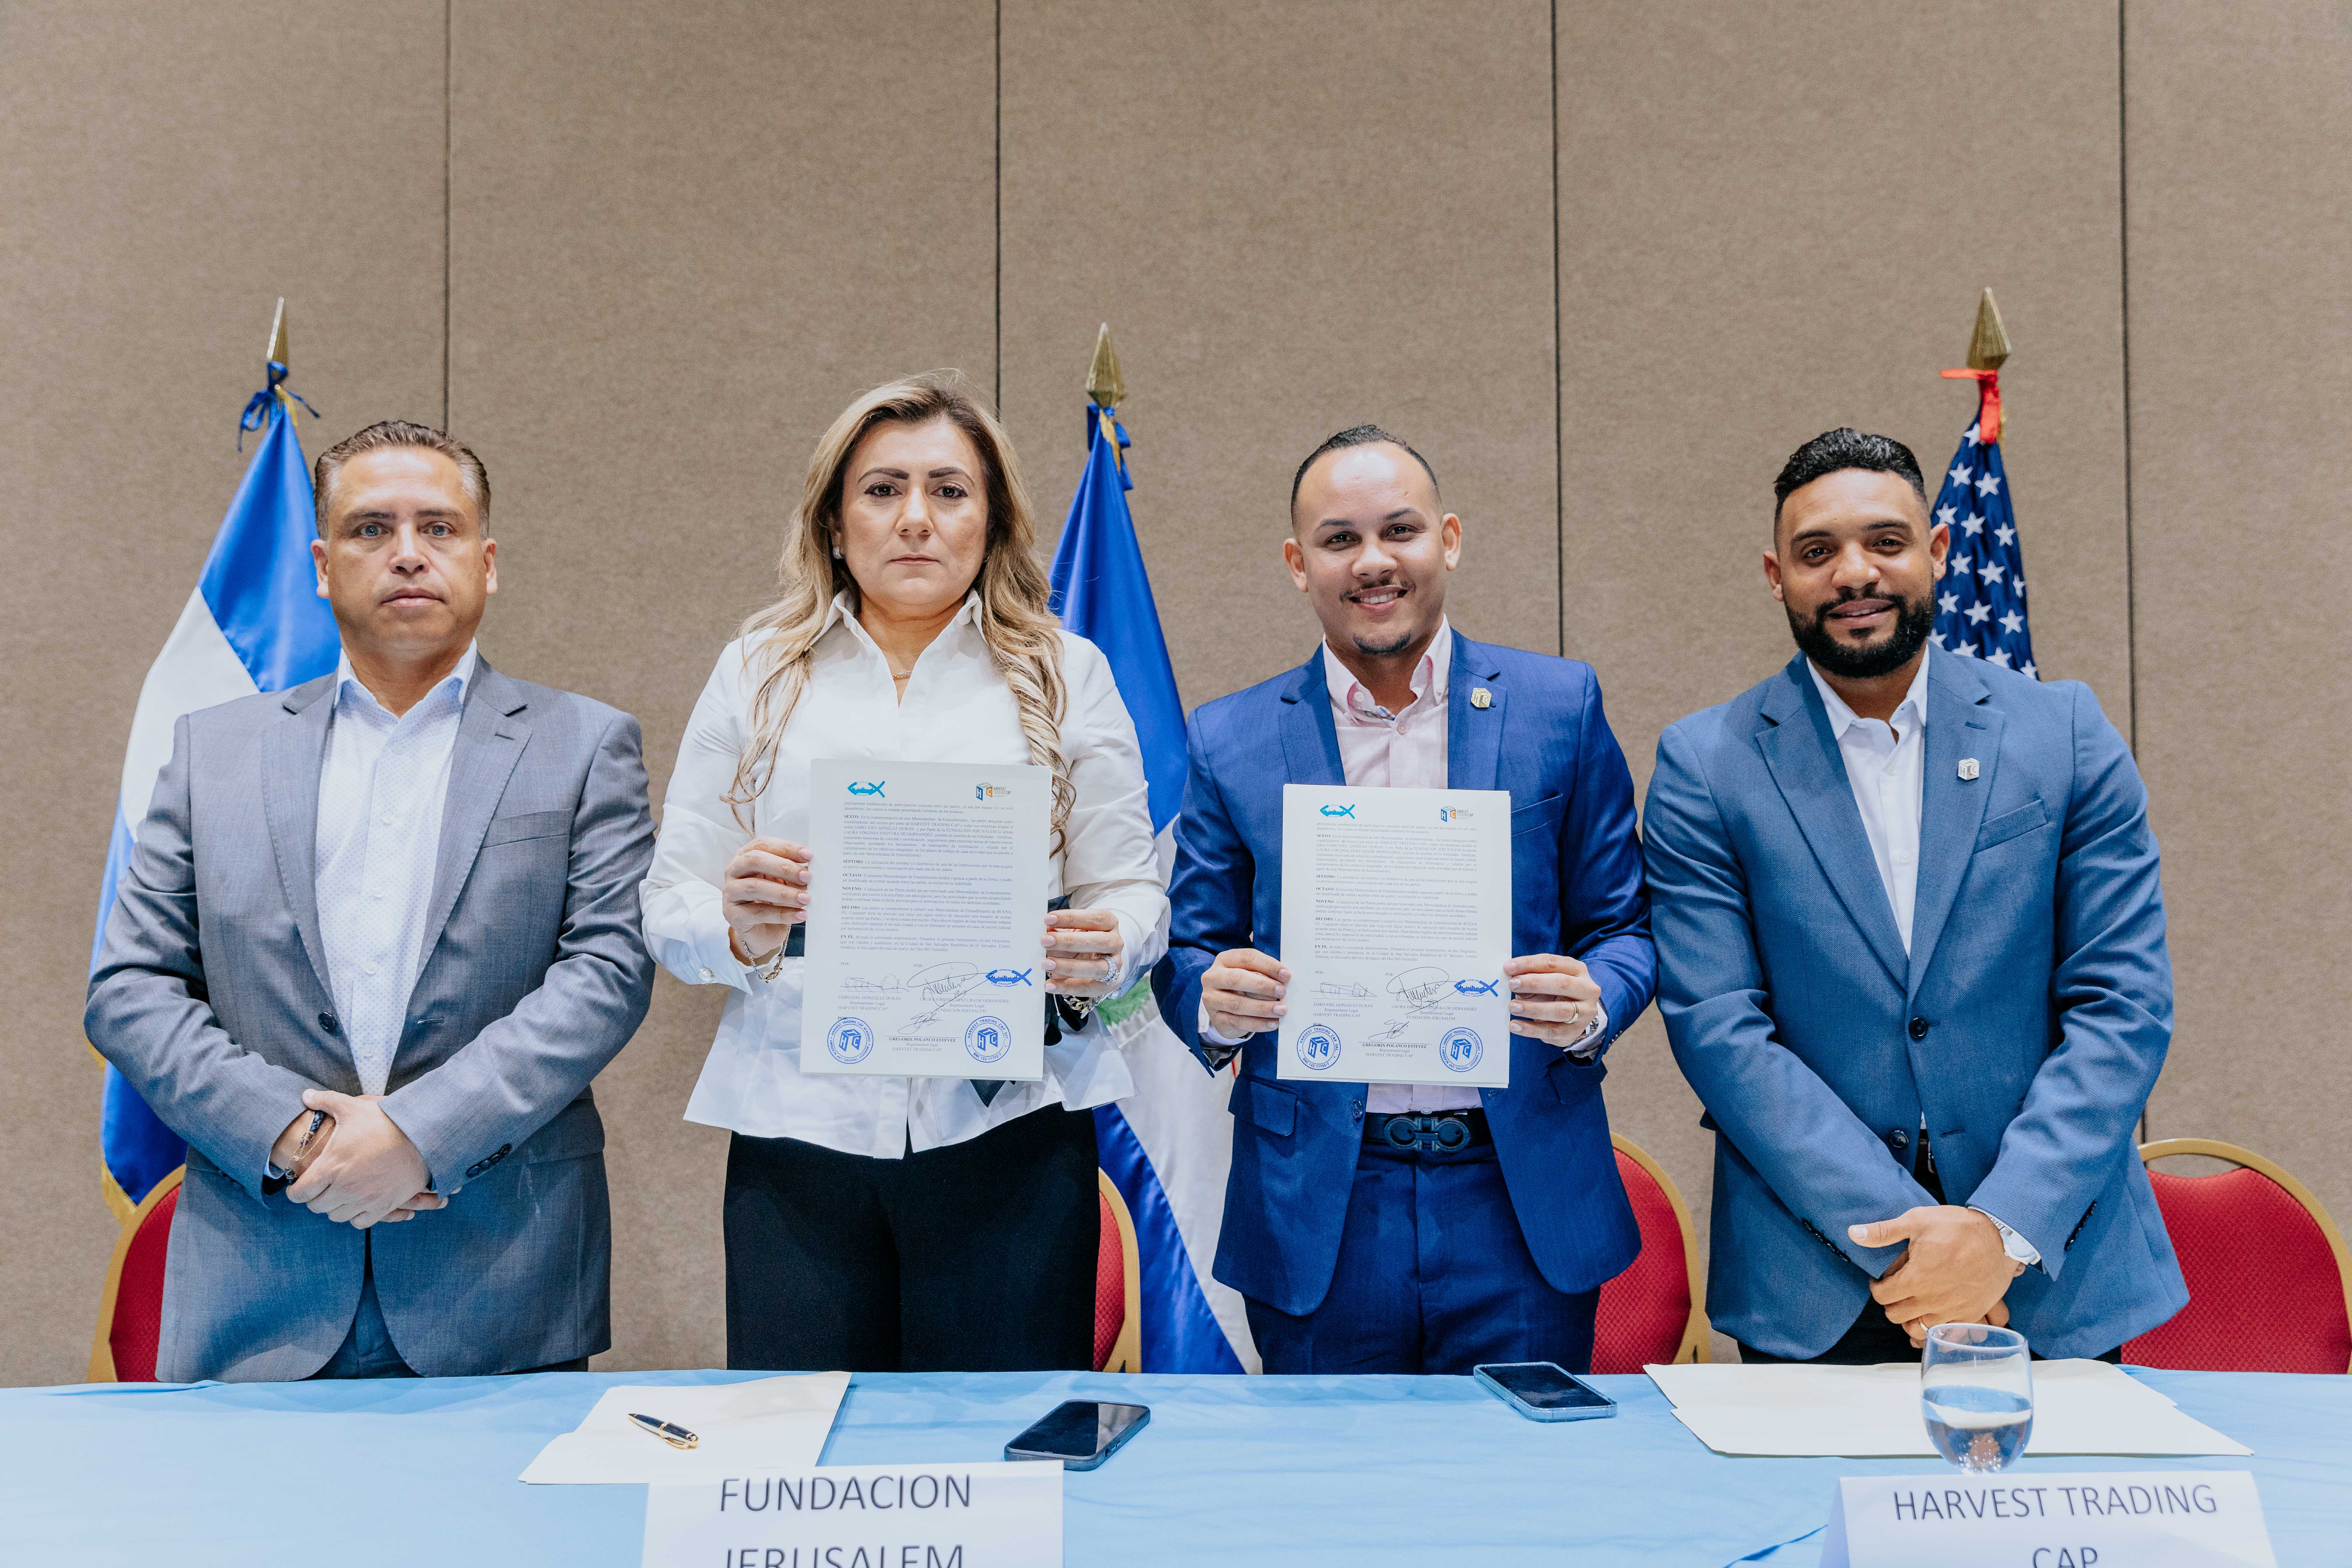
(1968,767)
(1481,697)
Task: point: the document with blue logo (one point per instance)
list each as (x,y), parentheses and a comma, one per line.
(1396,923)
(926,943)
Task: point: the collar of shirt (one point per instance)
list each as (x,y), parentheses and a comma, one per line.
(1352,703)
(844,614)
(1914,703)
(352,692)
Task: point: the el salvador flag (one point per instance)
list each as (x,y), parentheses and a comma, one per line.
(1167,1147)
(255,622)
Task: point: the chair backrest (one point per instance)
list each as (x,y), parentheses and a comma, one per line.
(1653,1311)
(1118,1288)
(2270,1283)
(130,1313)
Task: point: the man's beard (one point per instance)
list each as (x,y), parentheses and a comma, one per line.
(1397,645)
(1915,620)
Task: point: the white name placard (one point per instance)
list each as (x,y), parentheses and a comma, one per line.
(2114,1519)
(861,1516)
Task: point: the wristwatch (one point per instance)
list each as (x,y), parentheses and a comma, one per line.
(302,1147)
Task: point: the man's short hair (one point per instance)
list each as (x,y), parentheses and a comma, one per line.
(1357,436)
(1846,447)
(390,433)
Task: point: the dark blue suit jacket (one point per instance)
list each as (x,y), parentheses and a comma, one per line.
(1576,874)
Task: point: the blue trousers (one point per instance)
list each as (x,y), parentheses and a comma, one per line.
(1433,1277)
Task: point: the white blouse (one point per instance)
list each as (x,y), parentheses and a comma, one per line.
(957,709)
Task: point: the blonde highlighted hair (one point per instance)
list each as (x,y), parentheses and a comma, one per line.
(1022,634)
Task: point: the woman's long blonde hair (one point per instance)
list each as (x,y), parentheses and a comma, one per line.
(1023,637)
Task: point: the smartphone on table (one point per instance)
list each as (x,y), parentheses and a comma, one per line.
(1081,1433)
(1544,1391)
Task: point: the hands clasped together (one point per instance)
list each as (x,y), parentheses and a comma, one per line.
(358,1168)
(764,894)
(1953,1271)
(1553,999)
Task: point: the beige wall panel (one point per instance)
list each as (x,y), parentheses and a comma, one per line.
(1295,219)
(1775,219)
(167,173)
(683,237)
(2240,205)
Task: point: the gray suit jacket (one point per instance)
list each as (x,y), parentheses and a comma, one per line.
(212,998)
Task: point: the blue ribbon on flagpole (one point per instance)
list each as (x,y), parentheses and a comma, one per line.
(256,408)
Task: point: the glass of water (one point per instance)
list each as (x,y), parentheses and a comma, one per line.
(1976,1393)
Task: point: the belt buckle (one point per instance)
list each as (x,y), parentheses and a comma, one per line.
(1427,1134)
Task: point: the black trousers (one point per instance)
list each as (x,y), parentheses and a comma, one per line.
(977,1256)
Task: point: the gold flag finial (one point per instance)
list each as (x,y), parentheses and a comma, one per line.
(1103,383)
(1989,344)
(278,335)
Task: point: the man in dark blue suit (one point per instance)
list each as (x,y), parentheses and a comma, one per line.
(1388,1227)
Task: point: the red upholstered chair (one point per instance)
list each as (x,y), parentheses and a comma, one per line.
(2270,1283)
(131,1313)
(1118,1289)
(1653,1311)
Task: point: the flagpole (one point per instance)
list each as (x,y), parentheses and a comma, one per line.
(1988,352)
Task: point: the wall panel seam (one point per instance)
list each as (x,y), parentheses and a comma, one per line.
(1558,372)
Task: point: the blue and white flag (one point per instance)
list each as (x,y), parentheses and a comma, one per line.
(1981,602)
(255,622)
(1167,1147)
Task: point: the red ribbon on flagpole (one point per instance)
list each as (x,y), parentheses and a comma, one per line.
(1987,401)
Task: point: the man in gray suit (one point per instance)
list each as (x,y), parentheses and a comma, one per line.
(379,934)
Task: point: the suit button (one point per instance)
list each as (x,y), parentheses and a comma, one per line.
(1918,1028)
(1356,1110)
(327,1022)
(1900,1138)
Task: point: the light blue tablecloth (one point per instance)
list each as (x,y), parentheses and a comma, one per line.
(1232,1470)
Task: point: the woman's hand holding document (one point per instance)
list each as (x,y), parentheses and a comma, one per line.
(1396,926)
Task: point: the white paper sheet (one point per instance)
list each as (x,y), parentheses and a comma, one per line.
(772,1423)
(1396,923)
(1872,1412)
(926,920)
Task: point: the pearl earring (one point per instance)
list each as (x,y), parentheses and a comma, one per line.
(836,553)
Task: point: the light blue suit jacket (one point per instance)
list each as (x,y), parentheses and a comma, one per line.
(2027,1022)
(1576,886)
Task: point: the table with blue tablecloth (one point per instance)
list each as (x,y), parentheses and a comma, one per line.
(1238,1470)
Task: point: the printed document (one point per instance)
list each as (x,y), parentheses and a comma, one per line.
(769,1423)
(1396,923)
(926,946)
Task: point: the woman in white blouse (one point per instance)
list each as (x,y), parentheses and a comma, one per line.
(887,1224)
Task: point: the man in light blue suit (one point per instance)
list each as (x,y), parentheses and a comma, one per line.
(1388,1227)
(1912,957)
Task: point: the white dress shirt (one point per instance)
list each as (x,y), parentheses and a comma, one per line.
(1404,750)
(956,709)
(1886,766)
(381,785)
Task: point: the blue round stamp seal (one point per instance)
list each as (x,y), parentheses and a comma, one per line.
(986,1039)
(849,1041)
(1460,1049)
(1318,1047)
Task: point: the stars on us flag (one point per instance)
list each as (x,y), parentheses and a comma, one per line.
(1981,602)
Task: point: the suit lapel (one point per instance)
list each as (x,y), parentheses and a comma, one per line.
(1960,723)
(491,739)
(1805,763)
(1474,735)
(292,757)
(1310,740)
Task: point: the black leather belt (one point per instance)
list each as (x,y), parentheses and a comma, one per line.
(1430,1132)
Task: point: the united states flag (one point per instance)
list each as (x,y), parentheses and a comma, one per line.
(1981,602)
